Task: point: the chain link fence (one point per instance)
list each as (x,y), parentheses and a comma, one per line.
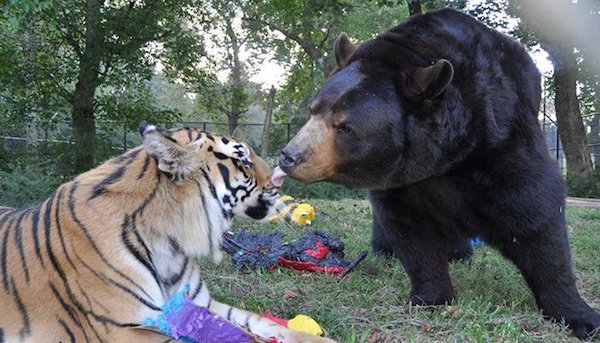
(555,148)
(115,139)
(279,134)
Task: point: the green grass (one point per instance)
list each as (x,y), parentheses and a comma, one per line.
(369,305)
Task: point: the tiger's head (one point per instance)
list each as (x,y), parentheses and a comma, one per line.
(238,179)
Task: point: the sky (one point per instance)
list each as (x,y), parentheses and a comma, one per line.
(271,73)
(540,58)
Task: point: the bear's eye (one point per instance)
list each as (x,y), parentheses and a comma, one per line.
(342,127)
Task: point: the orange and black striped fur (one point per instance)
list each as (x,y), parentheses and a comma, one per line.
(108,249)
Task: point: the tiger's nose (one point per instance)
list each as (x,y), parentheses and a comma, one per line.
(289,158)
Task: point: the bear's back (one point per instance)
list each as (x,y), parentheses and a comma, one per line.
(486,62)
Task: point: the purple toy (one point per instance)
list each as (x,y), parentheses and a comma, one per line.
(184,320)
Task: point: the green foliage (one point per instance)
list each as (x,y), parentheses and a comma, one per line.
(456,4)
(222,83)
(26,90)
(584,186)
(216,97)
(4,158)
(25,184)
(302,34)
(322,190)
(490,12)
(195,44)
(130,103)
(60,52)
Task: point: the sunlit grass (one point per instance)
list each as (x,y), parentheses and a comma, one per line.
(369,305)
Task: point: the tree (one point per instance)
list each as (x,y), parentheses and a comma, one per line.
(302,34)
(590,99)
(83,45)
(493,13)
(26,94)
(264,147)
(223,81)
(121,108)
(306,24)
(414,7)
(560,41)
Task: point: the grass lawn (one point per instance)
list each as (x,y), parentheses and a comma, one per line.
(369,305)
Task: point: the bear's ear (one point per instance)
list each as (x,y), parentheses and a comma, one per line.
(173,159)
(429,81)
(343,49)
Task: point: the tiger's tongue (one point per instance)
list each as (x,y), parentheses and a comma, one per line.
(277,177)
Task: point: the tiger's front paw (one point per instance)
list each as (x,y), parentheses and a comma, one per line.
(217,256)
(300,337)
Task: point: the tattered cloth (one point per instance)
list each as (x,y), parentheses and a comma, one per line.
(183,320)
(317,252)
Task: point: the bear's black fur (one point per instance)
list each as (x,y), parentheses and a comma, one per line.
(437,117)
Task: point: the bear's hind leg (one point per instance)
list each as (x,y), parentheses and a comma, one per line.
(544,259)
(461,249)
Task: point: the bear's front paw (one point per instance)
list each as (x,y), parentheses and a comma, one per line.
(431,299)
(588,327)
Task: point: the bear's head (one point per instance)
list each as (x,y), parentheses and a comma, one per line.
(377,121)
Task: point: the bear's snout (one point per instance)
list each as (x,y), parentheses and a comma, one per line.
(289,158)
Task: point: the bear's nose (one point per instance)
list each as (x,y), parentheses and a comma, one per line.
(289,158)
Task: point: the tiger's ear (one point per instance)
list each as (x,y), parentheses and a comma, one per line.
(172,158)
(429,81)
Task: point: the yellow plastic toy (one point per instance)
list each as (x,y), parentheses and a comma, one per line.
(301,323)
(289,211)
(306,324)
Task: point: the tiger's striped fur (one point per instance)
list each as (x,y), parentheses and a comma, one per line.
(108,249)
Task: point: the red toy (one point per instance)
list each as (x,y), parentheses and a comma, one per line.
(317,252)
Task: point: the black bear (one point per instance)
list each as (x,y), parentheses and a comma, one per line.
(437,118)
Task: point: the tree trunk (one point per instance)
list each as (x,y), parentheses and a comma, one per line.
(31,134)
(233,123)
(558,41)
(84,125)
(568,116)
(414,7)
(264,147)
(237,96)
(594,139)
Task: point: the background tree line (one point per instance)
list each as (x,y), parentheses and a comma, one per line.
(99,64)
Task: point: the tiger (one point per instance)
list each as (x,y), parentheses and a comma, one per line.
(106,250)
